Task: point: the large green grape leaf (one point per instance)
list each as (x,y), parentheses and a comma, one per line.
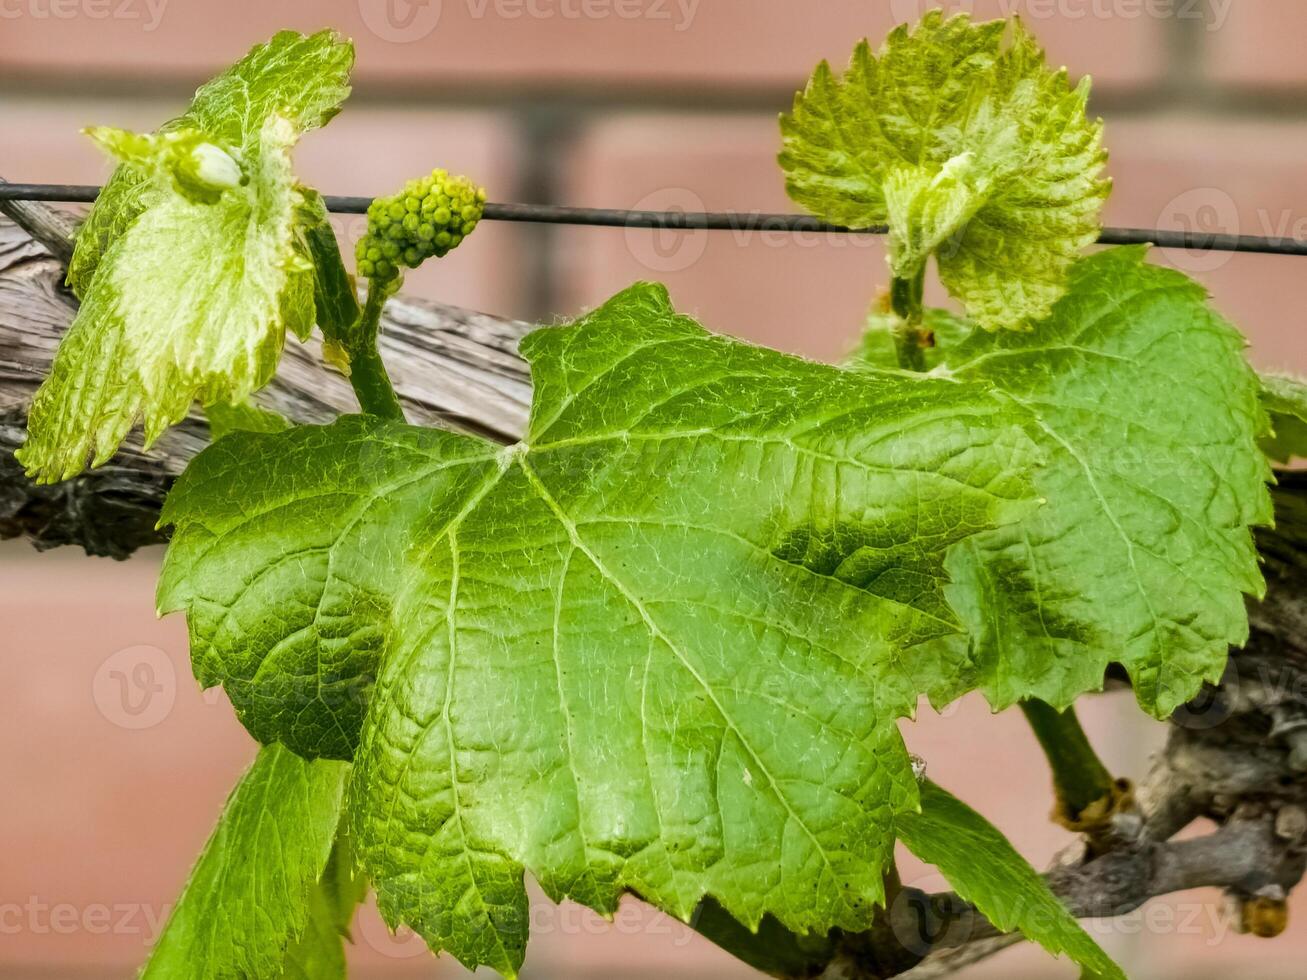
(248,902)
(286,557)
(301,78)
(968,147)
(1285,399)
(658,646)
(988,872)
(1140,396)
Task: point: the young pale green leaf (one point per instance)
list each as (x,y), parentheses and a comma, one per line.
(190,302)
(599,666)
(1140,396)
(926,209)
(968,146)
(189,283)
(300,78)
(186,159)
(988,872)
(1285,400)
(248,899)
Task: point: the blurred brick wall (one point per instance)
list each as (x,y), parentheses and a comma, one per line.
(108,795)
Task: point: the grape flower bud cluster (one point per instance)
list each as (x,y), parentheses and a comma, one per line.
(430,216)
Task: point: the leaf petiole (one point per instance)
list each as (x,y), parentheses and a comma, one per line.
(1087,795)
(909,338)
(372,385)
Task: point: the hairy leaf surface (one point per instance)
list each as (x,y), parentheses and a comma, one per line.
(988,872)
(969,147)
(1140,395)
(601,664)
(248,899)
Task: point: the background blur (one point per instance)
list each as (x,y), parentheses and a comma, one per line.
(113,766)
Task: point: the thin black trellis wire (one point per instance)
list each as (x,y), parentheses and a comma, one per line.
(715,221)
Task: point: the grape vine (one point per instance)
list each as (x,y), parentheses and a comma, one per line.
(663,645)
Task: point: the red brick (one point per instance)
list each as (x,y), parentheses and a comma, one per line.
(1258,44)
(1181,172)
(731,43)
(101,814)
